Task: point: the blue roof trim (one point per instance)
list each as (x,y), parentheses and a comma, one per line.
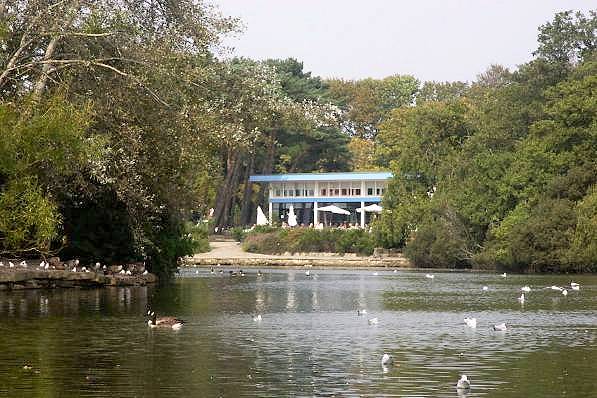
(381,175)
(335,199)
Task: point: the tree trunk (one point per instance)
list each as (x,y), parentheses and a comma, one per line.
(227,189)
(40,85)
(247,203)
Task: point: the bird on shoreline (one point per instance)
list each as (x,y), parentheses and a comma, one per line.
(164,321)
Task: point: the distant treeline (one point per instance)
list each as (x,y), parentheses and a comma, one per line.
(502,172)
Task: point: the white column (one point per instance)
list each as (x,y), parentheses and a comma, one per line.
(315,218)
(270,212)
(362,214)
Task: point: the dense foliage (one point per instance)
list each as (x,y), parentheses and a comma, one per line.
(309,240)
(120,128)
(502,173)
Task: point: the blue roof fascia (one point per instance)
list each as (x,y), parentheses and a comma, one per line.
(382,175)
(336,199)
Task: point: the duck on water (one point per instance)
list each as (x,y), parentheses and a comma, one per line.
(164,321)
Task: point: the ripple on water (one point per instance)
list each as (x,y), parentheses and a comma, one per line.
(310,342)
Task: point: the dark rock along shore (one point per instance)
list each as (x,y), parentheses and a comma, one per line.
(70,276)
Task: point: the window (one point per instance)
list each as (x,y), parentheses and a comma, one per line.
(298,192)
(310,192)
(278,192)
(344,191)
(378,191)
(336,192)
(356,191)
(370,191)
(324,192)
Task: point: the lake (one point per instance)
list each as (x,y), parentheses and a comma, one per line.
(310,341)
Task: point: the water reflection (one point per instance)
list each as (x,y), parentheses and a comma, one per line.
(95,343)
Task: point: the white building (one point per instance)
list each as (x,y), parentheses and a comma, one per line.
(307,192)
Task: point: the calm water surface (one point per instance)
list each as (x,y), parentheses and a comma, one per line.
(310,342)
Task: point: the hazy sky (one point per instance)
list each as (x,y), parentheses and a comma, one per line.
(430,39)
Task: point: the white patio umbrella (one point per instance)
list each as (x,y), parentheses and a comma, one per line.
(291,217)
(261,218)
(333,209)
(374,208)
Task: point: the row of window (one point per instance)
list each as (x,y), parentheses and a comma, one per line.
(301,192)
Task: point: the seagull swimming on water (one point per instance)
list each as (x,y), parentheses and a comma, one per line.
(463,383)
(386,360)
(525,288)
(521,299)
(485,288)
(373,321)
(564,292)
(500,327)
(471,322)
(504,275)
(429,276)
(574,286)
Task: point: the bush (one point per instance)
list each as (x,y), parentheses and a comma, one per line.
(199,234)
(238,234)
(301,240)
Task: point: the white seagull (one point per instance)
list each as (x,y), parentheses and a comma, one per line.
(574,286)
(463,383)
(257,318)
(564,292)
(500,327)
(308,273)
(525,288)
(485,288)
(429,276)
(373,321)
(386,360)
(471,322)
(521,299)
(10,264)
(504,275)
(553,287)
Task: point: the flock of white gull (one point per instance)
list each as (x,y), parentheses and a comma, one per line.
(386,360)
(72,266)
